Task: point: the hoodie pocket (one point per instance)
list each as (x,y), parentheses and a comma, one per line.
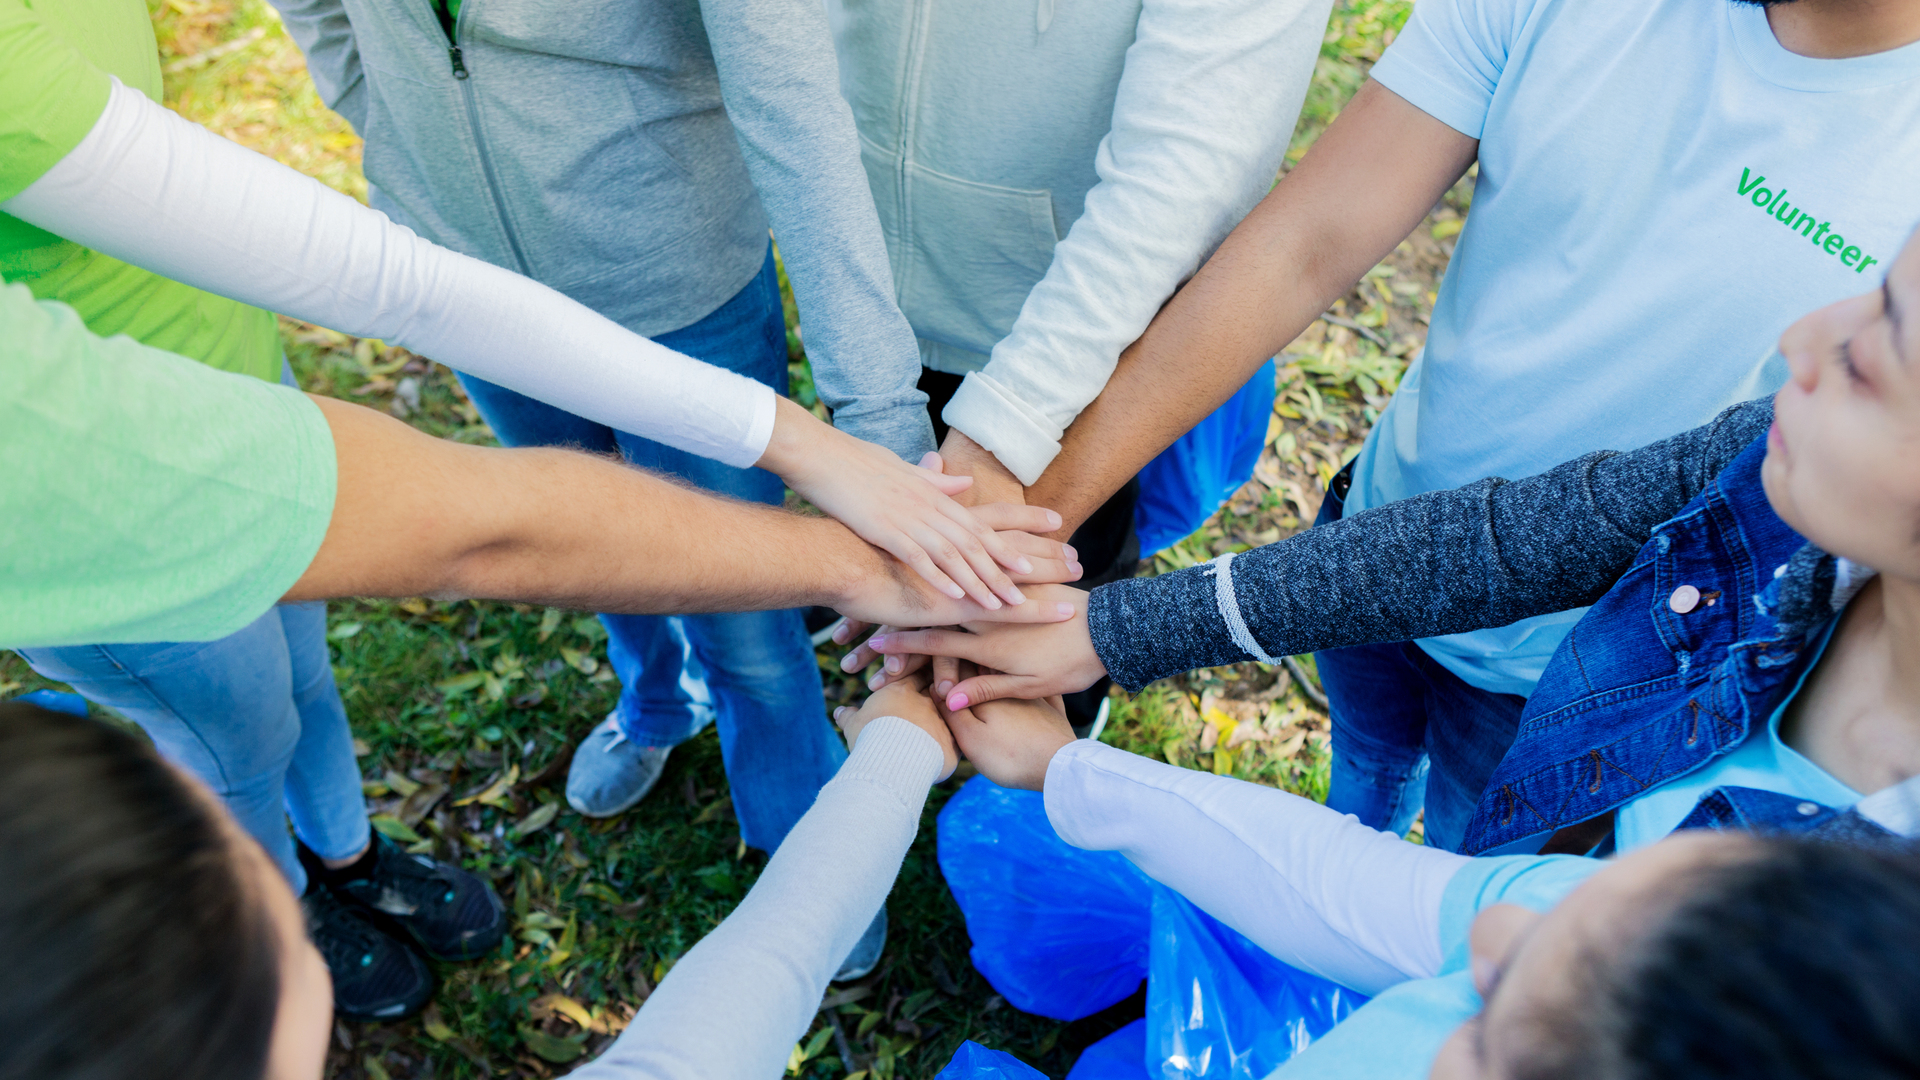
(973,252)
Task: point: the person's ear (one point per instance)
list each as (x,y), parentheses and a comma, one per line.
(1491,941)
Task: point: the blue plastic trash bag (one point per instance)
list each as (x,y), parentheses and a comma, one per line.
(975,1062)
(1120,1056)
(1058,931)
(1221,1008)
(1180,489)
(57,701)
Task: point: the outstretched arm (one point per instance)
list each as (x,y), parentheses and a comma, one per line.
(1201,119)
(164,194)
(733,1007)
(1366,183)
(1446,561)
(419,516)
(1313,887)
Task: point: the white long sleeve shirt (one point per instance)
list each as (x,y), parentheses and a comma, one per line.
(736,1003)
(154,190)
(1048,172)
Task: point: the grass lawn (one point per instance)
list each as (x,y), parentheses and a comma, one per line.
(465,713)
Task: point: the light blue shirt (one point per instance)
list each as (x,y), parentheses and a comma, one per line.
(1396,1035)
(1624,272)
(1762,762)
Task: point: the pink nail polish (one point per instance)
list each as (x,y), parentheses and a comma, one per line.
(877,641)
(957,702)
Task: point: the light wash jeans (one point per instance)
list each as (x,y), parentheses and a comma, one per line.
(254,715)
(752,672)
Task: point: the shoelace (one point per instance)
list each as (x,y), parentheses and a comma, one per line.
(417,880)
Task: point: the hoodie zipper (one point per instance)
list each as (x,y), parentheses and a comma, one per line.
(908,123)
(463,77)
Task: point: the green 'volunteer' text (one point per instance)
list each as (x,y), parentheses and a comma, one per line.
(1776,204)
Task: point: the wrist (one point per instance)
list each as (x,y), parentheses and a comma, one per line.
(798,437)
(992,480)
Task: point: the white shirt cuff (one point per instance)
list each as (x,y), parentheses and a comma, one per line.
(1023,438)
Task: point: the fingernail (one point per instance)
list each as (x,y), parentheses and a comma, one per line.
(840,636)
(848,664)
(1064,609)
(1053,519)
(992,603)
(1017,596)
(839,711)
(955,591)
(1023,566)
(1068,551)
(877,681)
(893,665)
(877,641)
(1074,569)
(957,702)
(945,685)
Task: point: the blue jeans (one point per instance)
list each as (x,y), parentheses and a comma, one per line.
(254,715)
(752,672)
(1407,732)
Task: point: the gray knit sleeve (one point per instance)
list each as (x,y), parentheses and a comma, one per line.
(1445,562)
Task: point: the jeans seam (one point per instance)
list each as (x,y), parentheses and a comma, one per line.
(163,705)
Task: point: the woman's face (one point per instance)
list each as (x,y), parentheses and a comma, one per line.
(1843,457)
(1526,965)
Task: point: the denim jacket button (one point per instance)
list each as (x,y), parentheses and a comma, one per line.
(1684,599)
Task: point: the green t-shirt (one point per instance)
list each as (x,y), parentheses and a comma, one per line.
(55,56)
(145,497)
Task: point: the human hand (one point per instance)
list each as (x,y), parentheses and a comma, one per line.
(1011,742)
(877,589)
(1052,561)
(992,481)
(903,509)
(906,699)
(1031,661)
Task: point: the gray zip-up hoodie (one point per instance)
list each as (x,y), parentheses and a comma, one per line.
(630,153)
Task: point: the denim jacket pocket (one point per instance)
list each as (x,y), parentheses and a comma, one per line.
(971,254)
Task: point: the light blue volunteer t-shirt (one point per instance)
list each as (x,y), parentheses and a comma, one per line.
(1663,189)
(1396,1035)
(1762,761)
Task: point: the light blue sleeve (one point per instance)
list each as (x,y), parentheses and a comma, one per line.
(1449,58)
(1397,1035)
(1535,882)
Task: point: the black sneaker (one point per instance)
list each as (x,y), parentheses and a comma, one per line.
(375,977)
(453,914)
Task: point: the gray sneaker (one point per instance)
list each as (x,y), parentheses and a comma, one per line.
(866,952)
(610,772)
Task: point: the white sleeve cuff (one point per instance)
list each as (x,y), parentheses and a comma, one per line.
(1022,437)
(896,756)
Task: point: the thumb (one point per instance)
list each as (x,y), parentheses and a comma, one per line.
(981,688)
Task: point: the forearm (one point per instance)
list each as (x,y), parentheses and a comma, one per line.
(734,1006)
(1313,887)
(1372,176)
(154,190)
(1439,563)
(1201,120)
(417,516)
(779,79)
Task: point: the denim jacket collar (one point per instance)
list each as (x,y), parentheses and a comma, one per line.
(1696,644)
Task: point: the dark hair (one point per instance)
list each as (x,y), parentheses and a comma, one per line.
(132,946)
(1798,959)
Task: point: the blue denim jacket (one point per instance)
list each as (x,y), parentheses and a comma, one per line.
(1648,686)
